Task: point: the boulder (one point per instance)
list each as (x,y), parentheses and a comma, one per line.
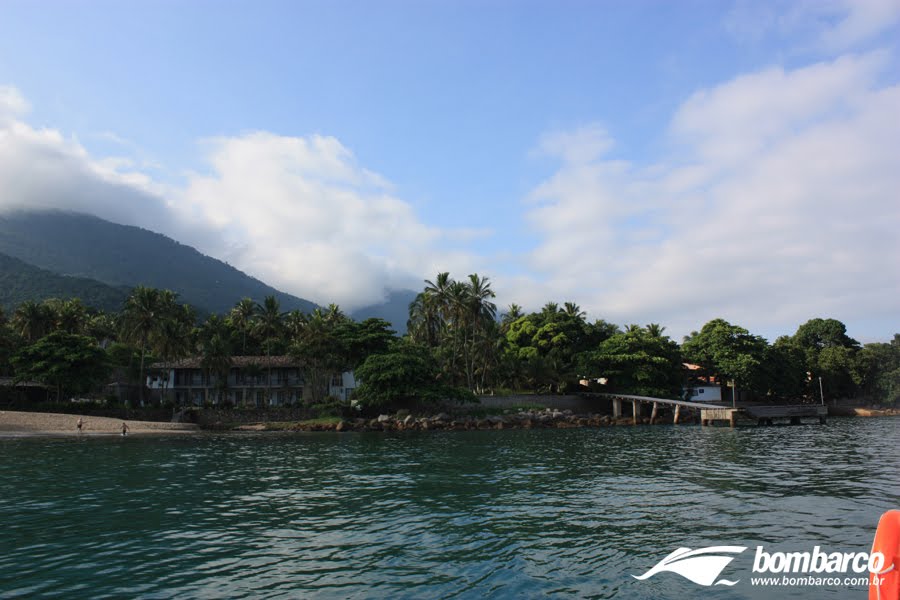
(383,418)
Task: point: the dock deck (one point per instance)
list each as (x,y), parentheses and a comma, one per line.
(721,413)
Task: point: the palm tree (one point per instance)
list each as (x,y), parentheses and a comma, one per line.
(215,347)
(440,287)
(268,324)
(573,310)
(294,322)
(173,339)
(241,317)
(424,322)
(142,309)
(102,327)
(32,320)
(70,316)
(550,309)
(655,330)
(513,313)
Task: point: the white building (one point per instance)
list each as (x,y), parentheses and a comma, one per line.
(704,392)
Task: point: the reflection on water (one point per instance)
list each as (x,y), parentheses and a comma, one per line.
(569,513)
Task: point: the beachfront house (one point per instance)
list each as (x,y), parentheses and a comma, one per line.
(252,381)
(699,387)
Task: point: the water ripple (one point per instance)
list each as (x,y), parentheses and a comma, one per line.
(568,513)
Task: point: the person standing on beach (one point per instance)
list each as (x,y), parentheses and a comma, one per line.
(79,424)
(124,429)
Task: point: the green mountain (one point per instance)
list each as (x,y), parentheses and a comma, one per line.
(84,246)
(20,281)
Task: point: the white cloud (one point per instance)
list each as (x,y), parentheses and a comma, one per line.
(581,145)
(297,213)
(42,169)
(822,25)
(779,203)
(302,215)
(12,104)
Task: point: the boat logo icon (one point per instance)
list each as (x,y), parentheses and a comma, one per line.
(702,566)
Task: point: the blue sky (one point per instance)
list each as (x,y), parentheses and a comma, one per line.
(600,152)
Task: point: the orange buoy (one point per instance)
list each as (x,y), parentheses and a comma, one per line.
(885,584)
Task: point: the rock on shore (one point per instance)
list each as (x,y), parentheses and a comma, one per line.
(523,419)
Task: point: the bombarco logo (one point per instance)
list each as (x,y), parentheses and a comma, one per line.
(701,566)
(704,565)
(817,562)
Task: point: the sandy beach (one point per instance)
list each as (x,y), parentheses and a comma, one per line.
(16,422)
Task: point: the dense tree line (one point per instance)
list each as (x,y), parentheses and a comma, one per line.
(458,344)
(74,349)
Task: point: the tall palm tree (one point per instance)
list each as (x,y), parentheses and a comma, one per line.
(655,330)
(173,339)
(102,327)
(550,309)
(70,316)
(215,348)
(269,326)
(294,322)
(513,313)
(142,310)
(424,324)
(32,320)
(241,317)
(573,310)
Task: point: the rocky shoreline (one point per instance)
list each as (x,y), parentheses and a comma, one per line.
(523,419)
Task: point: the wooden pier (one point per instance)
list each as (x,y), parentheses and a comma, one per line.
(721,413)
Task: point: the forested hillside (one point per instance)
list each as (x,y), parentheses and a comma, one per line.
(20,282)
(118,255)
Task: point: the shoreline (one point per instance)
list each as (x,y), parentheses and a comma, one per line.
(29,424)
(21,424)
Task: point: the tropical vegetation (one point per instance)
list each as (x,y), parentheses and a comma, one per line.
(458,345)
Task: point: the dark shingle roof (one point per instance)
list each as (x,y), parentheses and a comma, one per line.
(196,362)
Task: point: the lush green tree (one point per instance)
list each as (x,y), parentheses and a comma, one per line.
(363,339)
(878,366)
(817,334)
(405,375)
(9,343)
(555,336)
(269,327)
(784,370)
(103,327)
(454,319)
(729,352)
(513,313)
(173,338)
(72,364)
(241,318)
(268,324)
(139,321)
(215,345)
(640,361)
(321,350)
(70,315)
(32,320)
(831,355)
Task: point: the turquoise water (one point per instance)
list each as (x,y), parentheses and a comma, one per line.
(504,514)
